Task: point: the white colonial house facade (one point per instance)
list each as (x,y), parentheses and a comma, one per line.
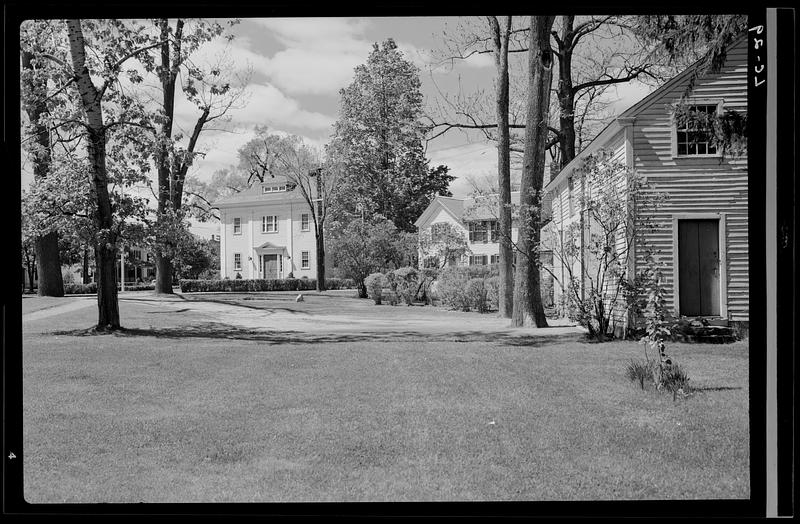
(266,231)
(476,218)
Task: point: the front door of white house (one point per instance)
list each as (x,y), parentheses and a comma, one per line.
(270,266)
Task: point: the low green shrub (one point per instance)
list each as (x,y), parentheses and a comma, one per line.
(452,285)
(675,380)
(375,283)
(426,278)
(280,284)
(406,283)
(476,295)
(138,287)
(80,289)
(640,370)
(492,285)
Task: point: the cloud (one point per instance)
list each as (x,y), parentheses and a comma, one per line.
(268,105)
(467,162)
(319,56)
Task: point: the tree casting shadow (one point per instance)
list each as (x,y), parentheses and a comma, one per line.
(217,330)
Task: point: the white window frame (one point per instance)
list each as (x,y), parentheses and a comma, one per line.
(237,223)
(264,224)
(305,222)
(305,260)
(484,259)
(237,261)
(720,103)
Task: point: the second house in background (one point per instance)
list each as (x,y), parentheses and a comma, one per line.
(266,232)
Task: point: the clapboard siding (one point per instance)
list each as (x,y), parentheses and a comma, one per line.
(698,185)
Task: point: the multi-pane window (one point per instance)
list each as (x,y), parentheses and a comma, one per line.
(495,259)
(305,223)
(478,260)
(237,226)
(694,136)
(237,261)
(273,189)
(269,224)
(304,260)
(483,231)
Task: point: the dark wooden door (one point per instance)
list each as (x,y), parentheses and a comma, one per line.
(270,266)
(698,267)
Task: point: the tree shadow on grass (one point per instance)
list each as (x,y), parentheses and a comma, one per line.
(217,330)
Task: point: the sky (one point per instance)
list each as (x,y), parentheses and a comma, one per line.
(300,64)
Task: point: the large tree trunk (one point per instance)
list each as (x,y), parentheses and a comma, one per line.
(527,293)
(506,291)
(320,260)
(51,283)
(48,265)
(107,303)
(168,74)
(106,248)
(163,274)
(85,272)
(566,93)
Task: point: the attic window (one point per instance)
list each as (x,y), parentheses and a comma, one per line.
(273,189)
(694,136)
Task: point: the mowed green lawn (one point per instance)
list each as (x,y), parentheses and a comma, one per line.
(234,416)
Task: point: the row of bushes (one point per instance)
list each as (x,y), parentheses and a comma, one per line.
(279,284)
(462,287)
(91,288)
(406,283)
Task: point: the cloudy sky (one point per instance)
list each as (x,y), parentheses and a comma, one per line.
(299,65)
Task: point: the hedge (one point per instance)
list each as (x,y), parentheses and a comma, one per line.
(279,284)
(80,289)
(91,288)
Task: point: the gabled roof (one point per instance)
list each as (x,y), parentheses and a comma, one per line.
(453,206)
(627,116)
(458,207)
(254,195)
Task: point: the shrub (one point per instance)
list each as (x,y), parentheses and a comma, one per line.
(451,286)
(80,289)
(476,295)
(287,284)
(640,370)
(492,285)
(426,278)
(138,287)
(407,283)
(674,379)
(375,283)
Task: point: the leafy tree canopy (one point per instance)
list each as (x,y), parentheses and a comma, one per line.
(379,137)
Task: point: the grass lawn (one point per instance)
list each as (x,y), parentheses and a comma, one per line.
(230,415)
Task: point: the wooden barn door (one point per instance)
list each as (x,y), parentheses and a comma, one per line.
(698,267)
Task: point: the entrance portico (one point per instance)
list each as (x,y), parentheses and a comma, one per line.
(272,260)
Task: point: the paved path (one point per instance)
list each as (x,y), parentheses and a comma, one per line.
(73,304)
(289,320)
(358,318)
